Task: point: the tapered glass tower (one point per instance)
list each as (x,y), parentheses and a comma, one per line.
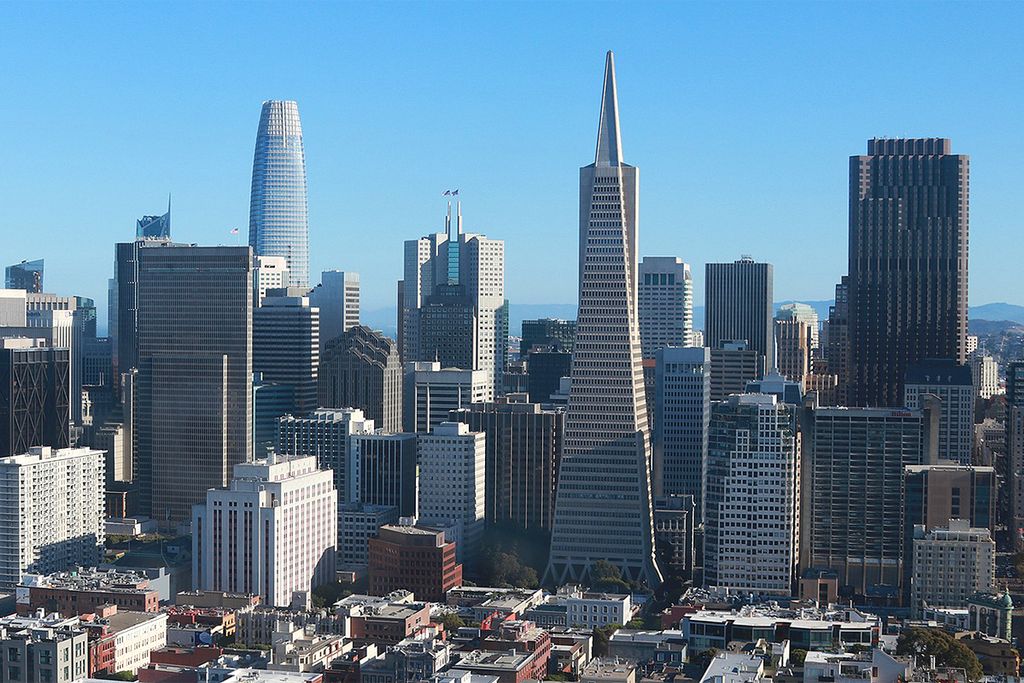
(603,503)
(277,206)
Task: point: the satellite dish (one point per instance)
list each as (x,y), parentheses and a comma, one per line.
(205,638)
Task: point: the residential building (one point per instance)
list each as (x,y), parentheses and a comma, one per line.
(951,565)
(452,463)
(274,532)
(852,482)
(733,365)
(414,559)
(82,590)
(524,445)
(129,636)
(908,202)
(431,393)
(337,297)
(43,650)
(682,411)
(410,660)
(193,403)
(603,499)
(52,504)
(27,275)
(751,504)
(360,368)
(277,206)
(953,386)
(34,401)
(286,346)
(664,303)
(382,471)
(738,306)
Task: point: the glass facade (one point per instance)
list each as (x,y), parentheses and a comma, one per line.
(277,208)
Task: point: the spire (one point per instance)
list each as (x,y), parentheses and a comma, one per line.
(609,150)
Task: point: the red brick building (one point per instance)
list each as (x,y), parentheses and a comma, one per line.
(414,559)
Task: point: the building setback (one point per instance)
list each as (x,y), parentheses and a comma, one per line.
(337,297)
(274,532)
(361,369)
(603,501)
(524,445)
(909,202)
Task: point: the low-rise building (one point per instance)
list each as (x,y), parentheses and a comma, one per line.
(413,558)
(412,659)
(508,667)
(657,648)
(43,649)
(571,650)
(302,652)
(998,657)
(131,635)
(84,590)
(385,622)
(873,667)
(734,667)
(991,614)
(805,628)
(594,610)
(257,626)
(608,670)
(950,565)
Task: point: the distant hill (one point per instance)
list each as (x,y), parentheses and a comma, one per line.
(1001,315)
(986,327)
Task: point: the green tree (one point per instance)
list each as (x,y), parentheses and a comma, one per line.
(797,657)
(947,650)
(502,568)
(706,656)
(605,576)
(601,636)
(329,593)
(452,622)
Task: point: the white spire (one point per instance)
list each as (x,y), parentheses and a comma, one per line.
(609,147)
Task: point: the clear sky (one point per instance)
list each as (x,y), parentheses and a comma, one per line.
(741,118)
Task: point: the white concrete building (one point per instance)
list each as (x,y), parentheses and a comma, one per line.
(274,532)
(52,506)
(432,392)
(751,502)
(985,374)
(269,272)
(136,634)
(954,387)
(951,565)
(665,303)
(337,297)
(452,463)
(56,649)
(593,610)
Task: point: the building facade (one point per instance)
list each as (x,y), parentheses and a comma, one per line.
(909,206)
(951,565)
(277,205)
(337,297)
(751,504)
(665,303)
(382,471)
(953,386)
(286,346)
(603,500)
(432,392)
(34,386)
(413,559)
(738,306)
(361,369)
(274,532)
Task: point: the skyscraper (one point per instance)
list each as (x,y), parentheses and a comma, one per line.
(34,385)
(360,369)
(683,410)
(286,346)
(738,305)
(665,303)
(277,207)
(908,263)
(953,385)
(337,297)
(193,412)
(603,503)
(27,275)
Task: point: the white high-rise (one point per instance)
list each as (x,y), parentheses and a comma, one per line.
(274,532)
(52,505)
(452,463)
(268,272)
(751,504)
(665,303)
(603,505)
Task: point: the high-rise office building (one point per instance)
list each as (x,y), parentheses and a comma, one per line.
(603,501)
(34,384)
(524,444)
(665,303)
(796,340)
(953,386)
(453,307)
(273,533)
(751,500)
(738,306)
(852,489)
(277,207)
(286,346)
(13,308)
(453,462)
(337,297)
(545,368)
(154,227)
(837,347)
(382,471)
(432,392)
(27,275)
(1015,442)
(548,333)
(985,374)
(269,272)
(683,410)
(324,434)
(734,365)
(64,322)
(361,369)
(193,403)
(908,263)
(51,501)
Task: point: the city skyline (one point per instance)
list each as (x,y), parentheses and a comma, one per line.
(354,191)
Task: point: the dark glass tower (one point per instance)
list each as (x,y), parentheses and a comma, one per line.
(908,263)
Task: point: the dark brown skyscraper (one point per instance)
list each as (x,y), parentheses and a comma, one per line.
(908,263)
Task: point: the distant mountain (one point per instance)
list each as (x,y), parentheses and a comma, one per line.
(385,319)
(989,327)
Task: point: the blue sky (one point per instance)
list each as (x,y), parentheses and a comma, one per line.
(740,116)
